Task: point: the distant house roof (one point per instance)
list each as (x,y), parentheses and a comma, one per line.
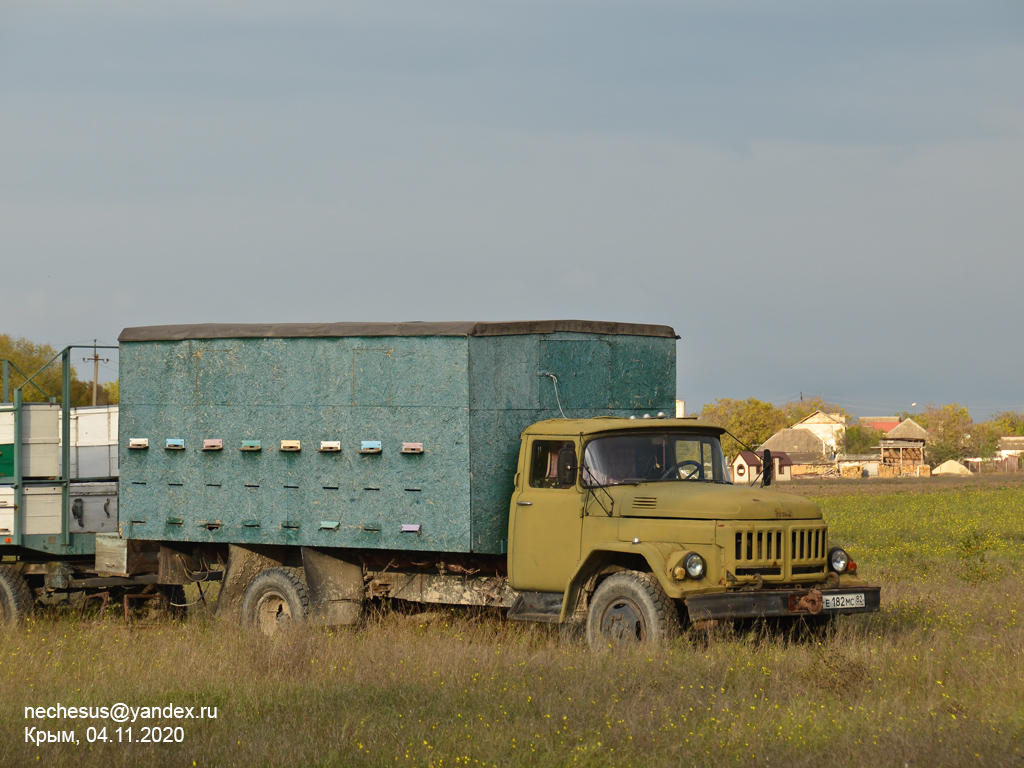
(750,458)
(753,459)
(1011,443)
(801,445)
(907,430)
(883,423)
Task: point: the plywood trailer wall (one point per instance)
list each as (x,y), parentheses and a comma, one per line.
(405,441)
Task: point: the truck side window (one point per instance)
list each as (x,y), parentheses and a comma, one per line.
(544,463)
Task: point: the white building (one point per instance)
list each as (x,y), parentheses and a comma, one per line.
(827,427)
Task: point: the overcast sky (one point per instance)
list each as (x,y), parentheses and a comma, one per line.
(820,197)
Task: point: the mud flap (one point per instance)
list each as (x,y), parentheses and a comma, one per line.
(335,588)
(244,564)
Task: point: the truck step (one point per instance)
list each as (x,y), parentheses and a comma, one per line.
(537,606)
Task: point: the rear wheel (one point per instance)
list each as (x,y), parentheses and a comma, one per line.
(16,600)
(275,600)
(631,607)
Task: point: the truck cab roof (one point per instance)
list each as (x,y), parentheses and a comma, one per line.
(600,424)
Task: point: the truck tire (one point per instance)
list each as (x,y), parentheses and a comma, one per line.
(275,600)
(16,600)
(631,607)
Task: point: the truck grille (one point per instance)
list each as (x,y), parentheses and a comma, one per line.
(758,546)
(777,552)
(808,545)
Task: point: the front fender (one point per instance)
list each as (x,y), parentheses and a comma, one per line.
(611,553)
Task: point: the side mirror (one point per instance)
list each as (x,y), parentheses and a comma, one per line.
(767,468)
(567,467)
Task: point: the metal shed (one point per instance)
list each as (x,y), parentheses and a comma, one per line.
(369,435)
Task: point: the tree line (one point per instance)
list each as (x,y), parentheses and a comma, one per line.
(29,357)
(952,432)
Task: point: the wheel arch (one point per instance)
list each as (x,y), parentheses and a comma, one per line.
(612,558)
(631,606)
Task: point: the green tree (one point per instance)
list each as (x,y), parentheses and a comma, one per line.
(951,433)
(752,421)
(985,439)
(112,392)
(30,358)
(1008,423)
(859,439)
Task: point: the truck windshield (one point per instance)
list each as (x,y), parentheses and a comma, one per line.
(659,457)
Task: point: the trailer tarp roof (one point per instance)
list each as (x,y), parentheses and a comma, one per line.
(328,330)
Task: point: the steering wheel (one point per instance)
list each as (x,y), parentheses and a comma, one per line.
(677,468)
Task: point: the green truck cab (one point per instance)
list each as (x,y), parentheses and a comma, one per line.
(634,527)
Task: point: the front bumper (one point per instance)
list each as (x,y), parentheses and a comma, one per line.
(776,603)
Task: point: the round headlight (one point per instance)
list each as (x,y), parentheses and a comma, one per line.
(838,560)
(695,565)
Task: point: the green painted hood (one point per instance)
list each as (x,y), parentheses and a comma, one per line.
(709,501)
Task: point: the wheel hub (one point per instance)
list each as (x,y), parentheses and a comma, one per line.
(623,622)
(273,613)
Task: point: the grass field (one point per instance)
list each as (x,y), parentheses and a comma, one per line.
(935,678)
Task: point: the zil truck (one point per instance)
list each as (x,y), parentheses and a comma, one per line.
(312,468)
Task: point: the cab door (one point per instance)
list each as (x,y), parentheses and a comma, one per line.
(545,546)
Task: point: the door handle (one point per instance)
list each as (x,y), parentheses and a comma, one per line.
(525,503)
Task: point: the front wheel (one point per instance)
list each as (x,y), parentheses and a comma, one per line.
(631,607)
(275,600)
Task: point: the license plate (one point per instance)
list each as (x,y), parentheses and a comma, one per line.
(837,602)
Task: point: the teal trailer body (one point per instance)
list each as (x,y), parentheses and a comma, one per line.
(359,435)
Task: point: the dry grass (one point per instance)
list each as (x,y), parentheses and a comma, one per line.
(935,678)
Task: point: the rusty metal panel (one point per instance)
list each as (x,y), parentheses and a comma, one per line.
(450,589)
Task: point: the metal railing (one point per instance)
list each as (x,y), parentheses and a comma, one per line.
(17,480)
